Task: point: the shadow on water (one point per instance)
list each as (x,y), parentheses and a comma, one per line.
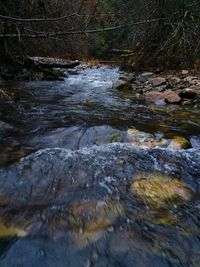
(94,223)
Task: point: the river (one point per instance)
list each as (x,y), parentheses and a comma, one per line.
(75,204)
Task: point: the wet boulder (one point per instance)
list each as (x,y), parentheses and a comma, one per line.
(191,79)
(93,215)
(174,80)
(184,72)
(172,97)
(75,201)
(144,77)
(51,74)
(121,84)
(169,96)
(154,96)
(179,142)
(129,77)
(143,139)
(48,176)
(190,93)
(88,220)
(158,81)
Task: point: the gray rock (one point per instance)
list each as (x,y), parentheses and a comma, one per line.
(46,184)
(174,80)
(77,137)
(195,142)
(184,72)
(190,93)
(129,77)
(121,84)
(189,79)
(134,135)
(158,81)
(37,179)
(144,77)
(161,88)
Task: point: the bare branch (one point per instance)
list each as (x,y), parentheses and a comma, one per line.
(44,19)
(39,19)
(80,32)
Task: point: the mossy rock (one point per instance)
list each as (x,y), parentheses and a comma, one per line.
(89,220)
(91,216)
(7,232)
(146,140)
(157,216)
(159,190)
(179,142)
(115,138)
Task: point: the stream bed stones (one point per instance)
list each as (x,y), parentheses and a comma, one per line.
(176,88)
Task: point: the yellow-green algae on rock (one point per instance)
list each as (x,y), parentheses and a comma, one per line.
(93,215)
(90,219)
(9,231)
(159,190)
(179,142)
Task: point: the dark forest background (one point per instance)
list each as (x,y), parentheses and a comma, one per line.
(142,32)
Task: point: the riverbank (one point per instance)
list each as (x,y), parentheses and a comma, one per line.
(36,68)
(161,88)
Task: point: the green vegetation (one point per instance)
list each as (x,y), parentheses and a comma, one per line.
(114,138)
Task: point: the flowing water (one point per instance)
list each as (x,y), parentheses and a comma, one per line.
(62,208)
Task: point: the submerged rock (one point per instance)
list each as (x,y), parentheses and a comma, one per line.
(77,137)
(88,220)
(160,190)
(93,215)
(10,231)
